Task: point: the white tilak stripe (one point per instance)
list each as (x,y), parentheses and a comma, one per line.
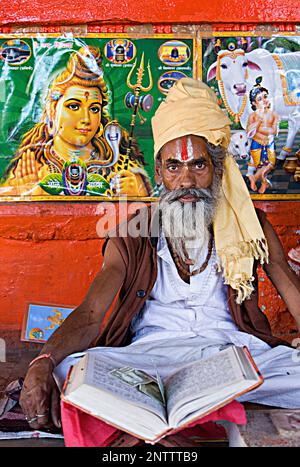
(178,150)
(190,149)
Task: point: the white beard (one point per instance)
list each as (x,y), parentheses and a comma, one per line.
(187,227)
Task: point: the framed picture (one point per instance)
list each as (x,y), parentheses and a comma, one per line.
(256,78)
(41,320)
(76,113)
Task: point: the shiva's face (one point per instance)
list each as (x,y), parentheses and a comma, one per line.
(78,115)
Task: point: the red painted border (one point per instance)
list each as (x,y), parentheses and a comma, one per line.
(51,12)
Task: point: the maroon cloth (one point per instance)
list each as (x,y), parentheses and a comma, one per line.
(83,430)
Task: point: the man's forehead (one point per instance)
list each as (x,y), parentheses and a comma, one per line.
(185,148)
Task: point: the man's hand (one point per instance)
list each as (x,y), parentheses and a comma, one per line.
(40,397)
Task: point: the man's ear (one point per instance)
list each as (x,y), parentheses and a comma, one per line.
(157,173)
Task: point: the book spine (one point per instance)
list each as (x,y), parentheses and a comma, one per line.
(67,380)
(253,362)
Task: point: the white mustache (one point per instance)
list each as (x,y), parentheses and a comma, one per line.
(201,194)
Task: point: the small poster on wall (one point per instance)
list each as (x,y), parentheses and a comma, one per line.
(257,81)
(76,113)
(40,321)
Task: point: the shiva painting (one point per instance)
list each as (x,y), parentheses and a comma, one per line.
(257,82)
(76,114)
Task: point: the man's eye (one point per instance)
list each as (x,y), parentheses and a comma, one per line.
(73,106)
(223,66)
(199,165)
(95,109)
(172,168)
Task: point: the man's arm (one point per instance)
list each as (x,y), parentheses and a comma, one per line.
(40,397)
(81,327)
(281,275)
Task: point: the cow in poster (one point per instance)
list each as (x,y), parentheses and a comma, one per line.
(236,72)
(239,145)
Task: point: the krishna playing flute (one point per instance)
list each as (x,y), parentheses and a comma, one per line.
(76,148)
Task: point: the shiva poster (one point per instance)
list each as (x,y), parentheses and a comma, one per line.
(257,81)
(75,113)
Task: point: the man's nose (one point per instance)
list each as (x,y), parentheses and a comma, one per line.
(187,179)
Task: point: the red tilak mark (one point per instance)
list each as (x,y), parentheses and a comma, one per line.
(86,95)
(184,153)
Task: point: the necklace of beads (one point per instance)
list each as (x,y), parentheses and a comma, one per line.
(182,266)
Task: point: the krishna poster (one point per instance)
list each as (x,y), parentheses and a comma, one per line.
(256,78)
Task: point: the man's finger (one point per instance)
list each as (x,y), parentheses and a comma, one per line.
(27,406)
(43,420)
(31,418)
(33,423)
(41,404)
(55,407)
(28,413)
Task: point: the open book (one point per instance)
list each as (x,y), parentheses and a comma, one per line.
(149,408)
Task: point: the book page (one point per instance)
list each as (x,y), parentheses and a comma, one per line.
(126,383)
(201,378)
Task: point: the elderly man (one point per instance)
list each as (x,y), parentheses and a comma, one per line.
(189,287)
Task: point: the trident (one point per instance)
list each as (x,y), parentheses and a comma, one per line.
(137,88)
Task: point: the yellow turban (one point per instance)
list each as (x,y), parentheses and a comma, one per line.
(191,108)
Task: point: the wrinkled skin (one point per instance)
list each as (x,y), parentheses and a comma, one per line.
(40,395)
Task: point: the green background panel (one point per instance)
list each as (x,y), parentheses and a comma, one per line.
(23,88)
